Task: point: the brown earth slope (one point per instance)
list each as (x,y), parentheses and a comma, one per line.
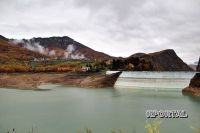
(10,51)
(60,44)
(88,80)
(33,80)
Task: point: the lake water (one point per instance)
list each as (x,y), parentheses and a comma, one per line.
(69,109)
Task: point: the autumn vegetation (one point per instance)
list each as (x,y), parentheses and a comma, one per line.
(40,66)
(16,59)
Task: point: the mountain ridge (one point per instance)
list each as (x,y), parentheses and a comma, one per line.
(60,45)
(67,48)
(165,60)
(9,51)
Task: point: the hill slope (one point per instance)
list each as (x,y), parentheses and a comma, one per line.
(9,51)
(62,47)
(165,60)
(169,61)
(67,48)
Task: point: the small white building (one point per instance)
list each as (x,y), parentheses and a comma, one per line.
(85,69)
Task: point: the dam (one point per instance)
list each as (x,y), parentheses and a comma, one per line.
(153,80)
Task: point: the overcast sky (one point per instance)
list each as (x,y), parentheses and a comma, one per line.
(116,27)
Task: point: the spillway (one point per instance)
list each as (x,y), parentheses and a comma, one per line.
(154,80)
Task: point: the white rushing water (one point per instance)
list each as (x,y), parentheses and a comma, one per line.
(154,80)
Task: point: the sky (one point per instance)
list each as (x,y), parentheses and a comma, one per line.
(115,27)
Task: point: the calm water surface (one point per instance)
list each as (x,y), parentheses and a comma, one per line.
(68,109)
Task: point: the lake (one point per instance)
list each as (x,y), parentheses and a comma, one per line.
(66,109)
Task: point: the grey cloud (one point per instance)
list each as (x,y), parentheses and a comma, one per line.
(117,27)
(154,24)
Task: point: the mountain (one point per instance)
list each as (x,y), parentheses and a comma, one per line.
(166,60)
(193,66)
(61,47)
(67,48)
(9,51)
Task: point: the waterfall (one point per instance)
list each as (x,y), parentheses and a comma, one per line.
(154,80)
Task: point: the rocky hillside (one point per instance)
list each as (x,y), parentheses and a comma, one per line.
(165,60)
(9,51)
(61,47)
(67,48)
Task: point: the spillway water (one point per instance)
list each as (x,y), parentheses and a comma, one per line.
(154,80)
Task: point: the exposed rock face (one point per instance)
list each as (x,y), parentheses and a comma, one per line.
(194,86)
(165,60)
(195,81)
(60,44)
(101,81)
(88,80)
(33,80)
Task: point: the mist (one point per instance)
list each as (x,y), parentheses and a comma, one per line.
(70,53)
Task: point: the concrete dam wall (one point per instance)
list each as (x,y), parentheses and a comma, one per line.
(153,80)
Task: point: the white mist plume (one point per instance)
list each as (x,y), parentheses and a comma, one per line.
(70,48)
(31,46)
(70,53)
(51,53)
(77,56)
(34,46)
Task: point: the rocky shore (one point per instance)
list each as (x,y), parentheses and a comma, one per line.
(88,80)
(33,80)
(194,86)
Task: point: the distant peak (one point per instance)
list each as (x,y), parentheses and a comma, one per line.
(166,51)
(138,55)
(53,37)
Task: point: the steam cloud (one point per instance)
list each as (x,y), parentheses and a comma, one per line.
(69,53)
(36,47)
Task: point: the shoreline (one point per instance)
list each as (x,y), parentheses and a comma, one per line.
(26,81)
(31,81)
(194,91)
